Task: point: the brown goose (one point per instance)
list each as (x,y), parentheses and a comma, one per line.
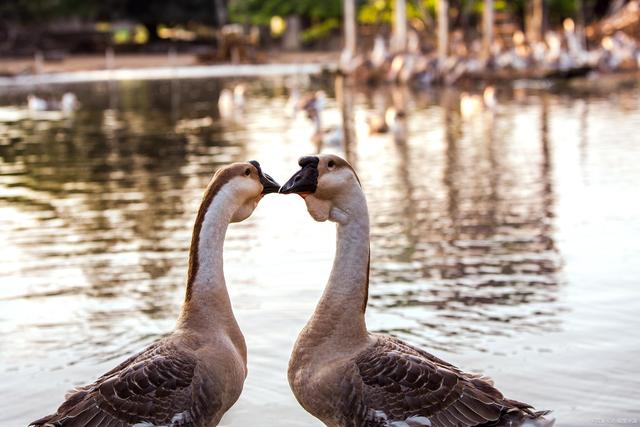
(193,376)
(346,376)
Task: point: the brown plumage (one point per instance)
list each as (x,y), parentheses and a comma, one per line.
(348,377)
(163,385)
(392,381)
(195,374)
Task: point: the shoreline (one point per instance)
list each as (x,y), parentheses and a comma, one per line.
(88,68)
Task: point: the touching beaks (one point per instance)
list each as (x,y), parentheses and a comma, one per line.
(305,181)
(269,185)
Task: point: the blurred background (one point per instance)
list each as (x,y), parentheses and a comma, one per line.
(497,143)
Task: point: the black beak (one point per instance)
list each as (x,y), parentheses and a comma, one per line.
(305,180)
(269,185)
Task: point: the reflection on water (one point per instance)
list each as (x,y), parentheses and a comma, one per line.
(464,228)
(493,237)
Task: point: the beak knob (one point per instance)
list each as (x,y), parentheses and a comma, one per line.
(303,181)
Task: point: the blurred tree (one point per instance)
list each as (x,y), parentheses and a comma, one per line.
(318,17)
(167,12)
(261,11)
(461,11)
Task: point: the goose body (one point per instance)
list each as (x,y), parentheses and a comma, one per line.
(346,376)
(195,374)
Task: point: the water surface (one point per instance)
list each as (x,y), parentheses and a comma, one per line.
(506,242)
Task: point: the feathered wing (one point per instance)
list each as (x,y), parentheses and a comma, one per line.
(158,386)
(394,384)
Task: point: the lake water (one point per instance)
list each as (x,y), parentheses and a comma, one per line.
(506,242)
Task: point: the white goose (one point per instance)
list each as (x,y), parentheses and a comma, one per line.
(194,375)
(346,376)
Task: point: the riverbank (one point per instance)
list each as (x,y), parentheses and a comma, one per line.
(10,67)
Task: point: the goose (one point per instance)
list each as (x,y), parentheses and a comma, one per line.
(231,101)
(314,105)
(195,374)
(68,103)
(378,55)
(35,103)
(489,98)
(52,109)
(378,123)
(346,376)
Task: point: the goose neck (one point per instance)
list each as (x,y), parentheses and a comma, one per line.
(207,299)
(341,310)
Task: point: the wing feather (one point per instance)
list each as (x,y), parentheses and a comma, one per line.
(399,381)
(152,386)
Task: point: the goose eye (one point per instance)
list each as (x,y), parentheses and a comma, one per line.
(247,172)
(331,164)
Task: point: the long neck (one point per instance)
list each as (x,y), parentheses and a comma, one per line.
(340,312)
(207,300)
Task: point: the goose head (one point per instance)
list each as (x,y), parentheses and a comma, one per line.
(328,184)
(246,183)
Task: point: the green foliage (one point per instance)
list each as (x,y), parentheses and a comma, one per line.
(169,12)
(261,11)
(320,15)
(320,30)
(381,11)
(39,11)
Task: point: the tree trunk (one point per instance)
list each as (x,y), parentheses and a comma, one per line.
(400,26)
(443,31)
(533,20)
(291,38)
(221,12)
(350,27)
(487,30)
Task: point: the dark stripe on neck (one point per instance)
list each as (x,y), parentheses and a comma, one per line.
(220,178)
(366,288)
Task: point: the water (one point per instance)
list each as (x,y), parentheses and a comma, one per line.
(506,243)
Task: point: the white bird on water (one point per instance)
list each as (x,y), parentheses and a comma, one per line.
(231,101)
(471,105)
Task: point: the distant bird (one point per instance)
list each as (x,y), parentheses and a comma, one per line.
(470,105)
(238,95)
(378,55)
(489,98)
(620,51)
(194,375)
(376,123)
(349,62)
(314,105)
(346,376)
(231,101)
(36,103)
(53,109)
(402,68)
(69,103)
(331,137)
(379,123)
